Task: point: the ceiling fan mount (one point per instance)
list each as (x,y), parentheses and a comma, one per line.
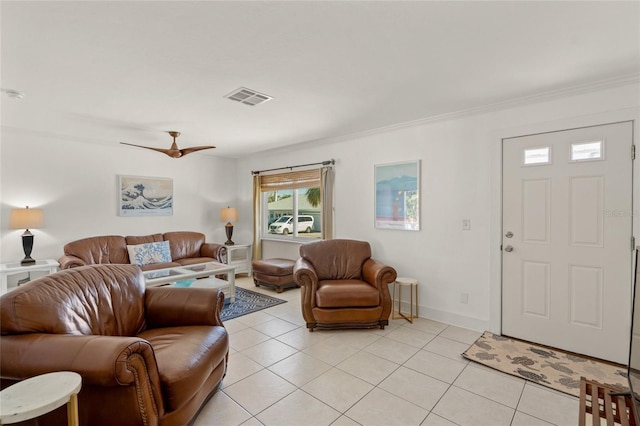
(174,151)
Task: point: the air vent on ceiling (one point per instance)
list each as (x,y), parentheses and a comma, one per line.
(248,96)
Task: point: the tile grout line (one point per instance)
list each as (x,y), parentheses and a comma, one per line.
(363,349)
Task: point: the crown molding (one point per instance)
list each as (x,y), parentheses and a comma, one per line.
(593,86)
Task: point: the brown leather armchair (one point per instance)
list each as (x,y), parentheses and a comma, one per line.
(149,356)
(341,286)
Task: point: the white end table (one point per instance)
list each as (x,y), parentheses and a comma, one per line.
(49,266)
(239,256)
(39,395)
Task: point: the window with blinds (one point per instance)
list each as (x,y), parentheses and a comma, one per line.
(292,204)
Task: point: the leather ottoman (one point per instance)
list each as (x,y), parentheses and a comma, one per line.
(275,273)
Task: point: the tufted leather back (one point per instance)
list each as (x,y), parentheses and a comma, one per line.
(337,259)
(135,239)
(94,250)
(184,244)
(103,300)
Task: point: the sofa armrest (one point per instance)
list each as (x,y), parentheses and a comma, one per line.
(174,306)
(100,360)
(68,262)
(305,275)
(378,274)
(216,251)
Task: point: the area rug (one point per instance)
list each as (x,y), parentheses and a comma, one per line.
(552,368)
(246,302)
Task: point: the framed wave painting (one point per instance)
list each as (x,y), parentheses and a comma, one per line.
(397,197)
(145,196)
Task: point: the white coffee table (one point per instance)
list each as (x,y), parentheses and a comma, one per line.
(203,273)
(227,287)
(39,395)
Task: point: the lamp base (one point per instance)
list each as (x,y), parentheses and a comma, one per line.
(27,246)
(27,261)
(228,228)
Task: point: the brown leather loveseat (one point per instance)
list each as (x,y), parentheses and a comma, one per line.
(187,248)
(149,356)
(342,286)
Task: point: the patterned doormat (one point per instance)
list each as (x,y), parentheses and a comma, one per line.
(246,302)
(548,367)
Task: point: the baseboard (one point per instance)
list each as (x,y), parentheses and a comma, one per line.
(451,318)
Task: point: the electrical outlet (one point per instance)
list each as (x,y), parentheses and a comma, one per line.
(466,224)
(464,298)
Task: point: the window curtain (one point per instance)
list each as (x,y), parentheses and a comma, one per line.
(326,191)
(257,219)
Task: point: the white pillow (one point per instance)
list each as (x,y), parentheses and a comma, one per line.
(146,254)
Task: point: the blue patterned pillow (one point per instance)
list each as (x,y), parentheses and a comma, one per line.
(146,254)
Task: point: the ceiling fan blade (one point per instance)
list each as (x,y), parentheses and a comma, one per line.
(173,152)
(186,151)
(169,152)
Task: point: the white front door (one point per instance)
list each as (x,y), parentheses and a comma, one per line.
(566,242)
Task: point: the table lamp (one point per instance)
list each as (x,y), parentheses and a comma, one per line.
(24,219)
(229,214)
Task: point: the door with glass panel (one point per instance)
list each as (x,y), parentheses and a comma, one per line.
(567,239)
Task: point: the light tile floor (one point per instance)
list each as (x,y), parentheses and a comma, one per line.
(281,374)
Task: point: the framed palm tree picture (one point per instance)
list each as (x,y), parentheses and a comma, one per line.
(397,196)
(145,196)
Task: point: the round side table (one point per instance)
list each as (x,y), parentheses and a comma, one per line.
(413,288)
(39,395)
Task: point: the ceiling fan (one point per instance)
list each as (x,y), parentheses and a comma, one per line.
(173,152)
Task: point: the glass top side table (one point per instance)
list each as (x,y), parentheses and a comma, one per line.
(49,266)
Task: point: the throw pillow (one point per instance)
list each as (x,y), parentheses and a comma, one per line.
(146,254)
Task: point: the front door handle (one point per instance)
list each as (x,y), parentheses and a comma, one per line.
(508,249)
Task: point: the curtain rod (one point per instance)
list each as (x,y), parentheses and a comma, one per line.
(324,163)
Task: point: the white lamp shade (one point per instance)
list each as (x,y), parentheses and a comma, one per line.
(229,214)
(26,218)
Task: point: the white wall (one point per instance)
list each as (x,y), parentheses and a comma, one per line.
(75,184)
(461,161)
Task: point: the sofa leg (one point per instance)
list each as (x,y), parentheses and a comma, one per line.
(255,282)
(311,326)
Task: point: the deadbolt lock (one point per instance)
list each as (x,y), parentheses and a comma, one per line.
(509,234)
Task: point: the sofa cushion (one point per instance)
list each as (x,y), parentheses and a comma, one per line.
(186,357)
(337,259)
(135,239)
(105,300)
(194,260)
(149,253)
(94,250)
(184,244)
(346,294)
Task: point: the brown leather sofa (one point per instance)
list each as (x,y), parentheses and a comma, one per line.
(187,248)
(149,356)
(342,287)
